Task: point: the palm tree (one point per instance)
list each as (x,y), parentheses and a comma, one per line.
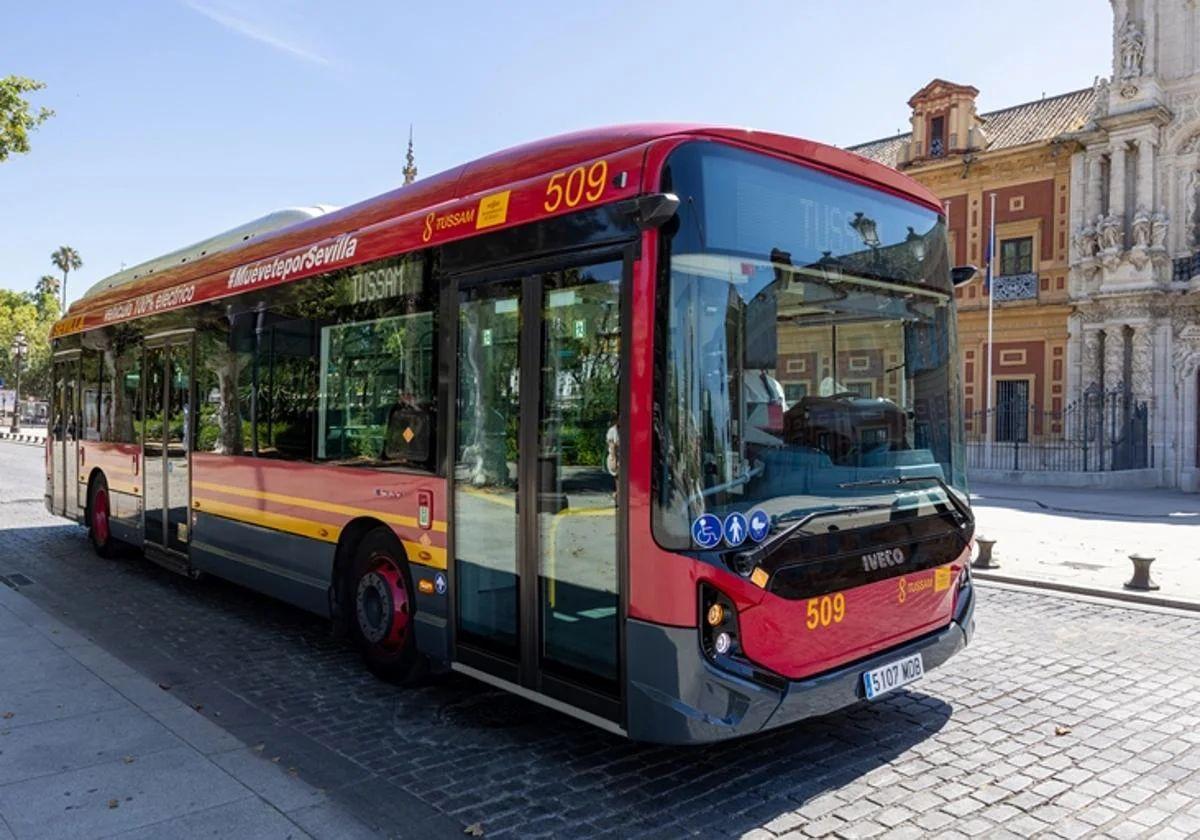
(47,287)
(66,259)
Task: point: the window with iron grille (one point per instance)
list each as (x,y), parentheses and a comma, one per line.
(1012,411)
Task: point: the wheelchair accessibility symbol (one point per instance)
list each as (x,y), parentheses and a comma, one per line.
(706,531)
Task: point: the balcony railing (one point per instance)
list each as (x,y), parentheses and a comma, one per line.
(1185,268)
(1015,287)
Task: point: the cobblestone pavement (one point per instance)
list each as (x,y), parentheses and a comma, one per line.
(1065,717)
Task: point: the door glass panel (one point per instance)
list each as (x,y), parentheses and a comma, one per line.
(58,426)
(485,467)
(578,465)
(178,433)
(71,424)
(153,419)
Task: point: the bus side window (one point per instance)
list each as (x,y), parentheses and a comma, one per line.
(219,367)
(126,415)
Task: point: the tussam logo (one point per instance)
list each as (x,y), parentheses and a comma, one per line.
(342,248)
(882,559)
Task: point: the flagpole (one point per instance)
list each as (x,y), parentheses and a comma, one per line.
(991,396)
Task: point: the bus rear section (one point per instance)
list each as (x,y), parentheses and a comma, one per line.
(809,540)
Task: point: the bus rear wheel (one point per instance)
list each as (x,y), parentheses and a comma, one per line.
(381,607)
(99,531)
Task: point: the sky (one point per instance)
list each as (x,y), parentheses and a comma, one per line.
(178,119)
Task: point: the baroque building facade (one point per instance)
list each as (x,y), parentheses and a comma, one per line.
(1134,281)
(1019,156)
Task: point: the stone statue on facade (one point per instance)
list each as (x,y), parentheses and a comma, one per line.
(1111,235)
(1140,231)
(1085,243)
(1100,92)
(1158,232)
(1132,50)
(1141,228)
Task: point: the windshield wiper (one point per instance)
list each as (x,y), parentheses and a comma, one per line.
(749,559)
(951,493)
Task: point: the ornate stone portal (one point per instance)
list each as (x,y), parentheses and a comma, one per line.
(1135,277)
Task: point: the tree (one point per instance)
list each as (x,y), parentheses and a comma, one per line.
(19,313)
(45,294)
(17,119)
(67,260)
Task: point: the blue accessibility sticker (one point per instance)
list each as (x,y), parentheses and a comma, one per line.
(439,583)
(706,531)
(759,524)
(735,529)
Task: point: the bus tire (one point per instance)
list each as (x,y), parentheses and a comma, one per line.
(98,514)
(381,602)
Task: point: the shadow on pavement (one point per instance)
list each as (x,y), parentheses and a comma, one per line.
(273,676)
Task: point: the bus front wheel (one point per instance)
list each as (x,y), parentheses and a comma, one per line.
(381,601)
(99,530)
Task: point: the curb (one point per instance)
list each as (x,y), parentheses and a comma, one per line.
(1072,589)
(9,436)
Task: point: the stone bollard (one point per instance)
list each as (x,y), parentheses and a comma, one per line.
(984,560)
(1141,581)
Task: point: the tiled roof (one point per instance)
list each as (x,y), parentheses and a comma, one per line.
(1042,119)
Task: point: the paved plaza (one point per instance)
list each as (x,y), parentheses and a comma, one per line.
(1083,538)
(1066,717)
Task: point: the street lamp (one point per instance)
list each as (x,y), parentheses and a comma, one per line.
(18,350)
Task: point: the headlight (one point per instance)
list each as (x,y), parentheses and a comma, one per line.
(719,628)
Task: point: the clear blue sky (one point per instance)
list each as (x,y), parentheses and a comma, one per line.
(177,119)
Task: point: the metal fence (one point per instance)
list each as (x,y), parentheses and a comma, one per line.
(1101,431)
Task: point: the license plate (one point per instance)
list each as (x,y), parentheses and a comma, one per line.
(887,677)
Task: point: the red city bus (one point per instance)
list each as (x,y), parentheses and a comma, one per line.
(659,425)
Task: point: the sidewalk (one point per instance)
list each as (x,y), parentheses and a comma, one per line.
(1081,538)
(89,748)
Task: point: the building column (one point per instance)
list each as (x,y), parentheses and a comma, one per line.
(1142,363)
(1116,185)
(1114,357)
(1090,363)
(1145,174)
(1092,206)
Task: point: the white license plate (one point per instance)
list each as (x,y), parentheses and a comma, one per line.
(883,679)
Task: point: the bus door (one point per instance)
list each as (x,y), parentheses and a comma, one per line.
(535,526)
(166,437)
(64,450)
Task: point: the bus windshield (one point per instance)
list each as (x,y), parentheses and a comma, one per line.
(806,351)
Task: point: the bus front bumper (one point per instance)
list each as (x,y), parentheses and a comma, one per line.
(676,696)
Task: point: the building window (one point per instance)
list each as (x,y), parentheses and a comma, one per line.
(1016,256)
(1012,411)
(793,392)
(937,136)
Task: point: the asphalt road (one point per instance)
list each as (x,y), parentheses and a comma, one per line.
(1065,718)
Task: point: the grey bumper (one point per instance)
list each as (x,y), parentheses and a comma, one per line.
(676,696)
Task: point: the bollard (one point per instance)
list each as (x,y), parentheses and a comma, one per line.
(984,560)
(1141,581)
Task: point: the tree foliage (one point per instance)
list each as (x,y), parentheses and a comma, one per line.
(66,259)
(17,117)
(33,314)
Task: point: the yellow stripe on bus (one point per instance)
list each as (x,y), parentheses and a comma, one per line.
(424,555)
(328,507)
(275,521)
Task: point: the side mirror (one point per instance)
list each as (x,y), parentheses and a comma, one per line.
(963,274)
(653,210)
